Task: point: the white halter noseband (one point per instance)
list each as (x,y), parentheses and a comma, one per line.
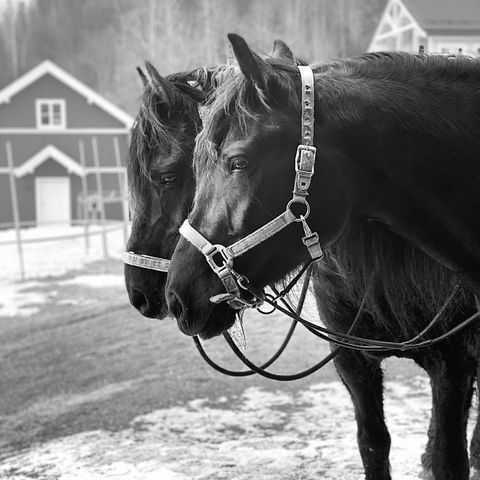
(146,261)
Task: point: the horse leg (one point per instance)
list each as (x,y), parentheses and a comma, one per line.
(363,378)
(475,442)
(426,458)
(452,387)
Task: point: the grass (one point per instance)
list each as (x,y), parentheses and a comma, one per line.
(99,364)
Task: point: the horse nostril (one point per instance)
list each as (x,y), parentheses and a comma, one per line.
(140,301)
(175,305)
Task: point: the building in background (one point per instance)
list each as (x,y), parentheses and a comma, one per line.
(62,148)
(441,26)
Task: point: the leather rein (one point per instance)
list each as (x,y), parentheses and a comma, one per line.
(220,259)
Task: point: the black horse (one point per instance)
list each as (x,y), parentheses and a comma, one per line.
(391,131)
(160,175)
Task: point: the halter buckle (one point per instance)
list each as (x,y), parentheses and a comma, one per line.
(305,159)
(304,168)
(212,258)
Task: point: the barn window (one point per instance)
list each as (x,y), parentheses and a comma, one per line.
(50,113)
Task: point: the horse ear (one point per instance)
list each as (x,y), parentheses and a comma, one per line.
(252,66)
(142,76)
(162,87)
(282,50)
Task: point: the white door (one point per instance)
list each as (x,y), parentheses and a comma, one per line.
(52,200)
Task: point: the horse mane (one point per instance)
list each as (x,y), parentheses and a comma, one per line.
(238,100)
(151,133)
(203,80)
(399,65)
(237,93)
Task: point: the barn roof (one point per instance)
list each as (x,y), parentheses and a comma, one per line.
(47,67)
(446,16)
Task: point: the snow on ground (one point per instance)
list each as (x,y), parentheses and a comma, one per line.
(51,258)
(97,281)
(54,257)
(22,299)
(261,435)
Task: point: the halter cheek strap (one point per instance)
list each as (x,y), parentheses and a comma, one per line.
(220,258)
(306,152)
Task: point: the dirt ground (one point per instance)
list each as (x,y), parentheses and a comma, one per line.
(90,389)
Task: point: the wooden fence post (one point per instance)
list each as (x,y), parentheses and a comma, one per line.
(98,176)
(16,215)
(83,163)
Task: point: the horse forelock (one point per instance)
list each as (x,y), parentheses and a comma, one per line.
(155,132)
(237,101)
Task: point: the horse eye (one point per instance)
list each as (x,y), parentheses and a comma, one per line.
(166,179)
(239,163)
(163,178)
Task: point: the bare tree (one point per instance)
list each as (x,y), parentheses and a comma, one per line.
(102,42)
(14,16)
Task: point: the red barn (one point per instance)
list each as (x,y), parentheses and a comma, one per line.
(60,143)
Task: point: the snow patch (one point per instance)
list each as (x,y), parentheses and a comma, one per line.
(21,299)
(97,281)
(267,435)
(51,258)
(55,257)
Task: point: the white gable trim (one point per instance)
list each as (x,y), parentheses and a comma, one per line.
(48,67)
(395,29)
(43,155)
(409,14)
(385,18)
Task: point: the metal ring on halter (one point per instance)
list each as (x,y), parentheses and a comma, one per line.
(300,201)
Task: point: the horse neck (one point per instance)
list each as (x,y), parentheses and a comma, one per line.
(401,147)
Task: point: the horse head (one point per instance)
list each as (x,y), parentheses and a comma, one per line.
(244,166)
(161,181)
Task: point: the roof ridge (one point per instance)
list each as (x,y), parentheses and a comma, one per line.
(48,67)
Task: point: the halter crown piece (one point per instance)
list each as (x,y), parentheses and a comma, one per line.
(220,258)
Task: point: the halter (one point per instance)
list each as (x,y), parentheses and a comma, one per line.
(220,258)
